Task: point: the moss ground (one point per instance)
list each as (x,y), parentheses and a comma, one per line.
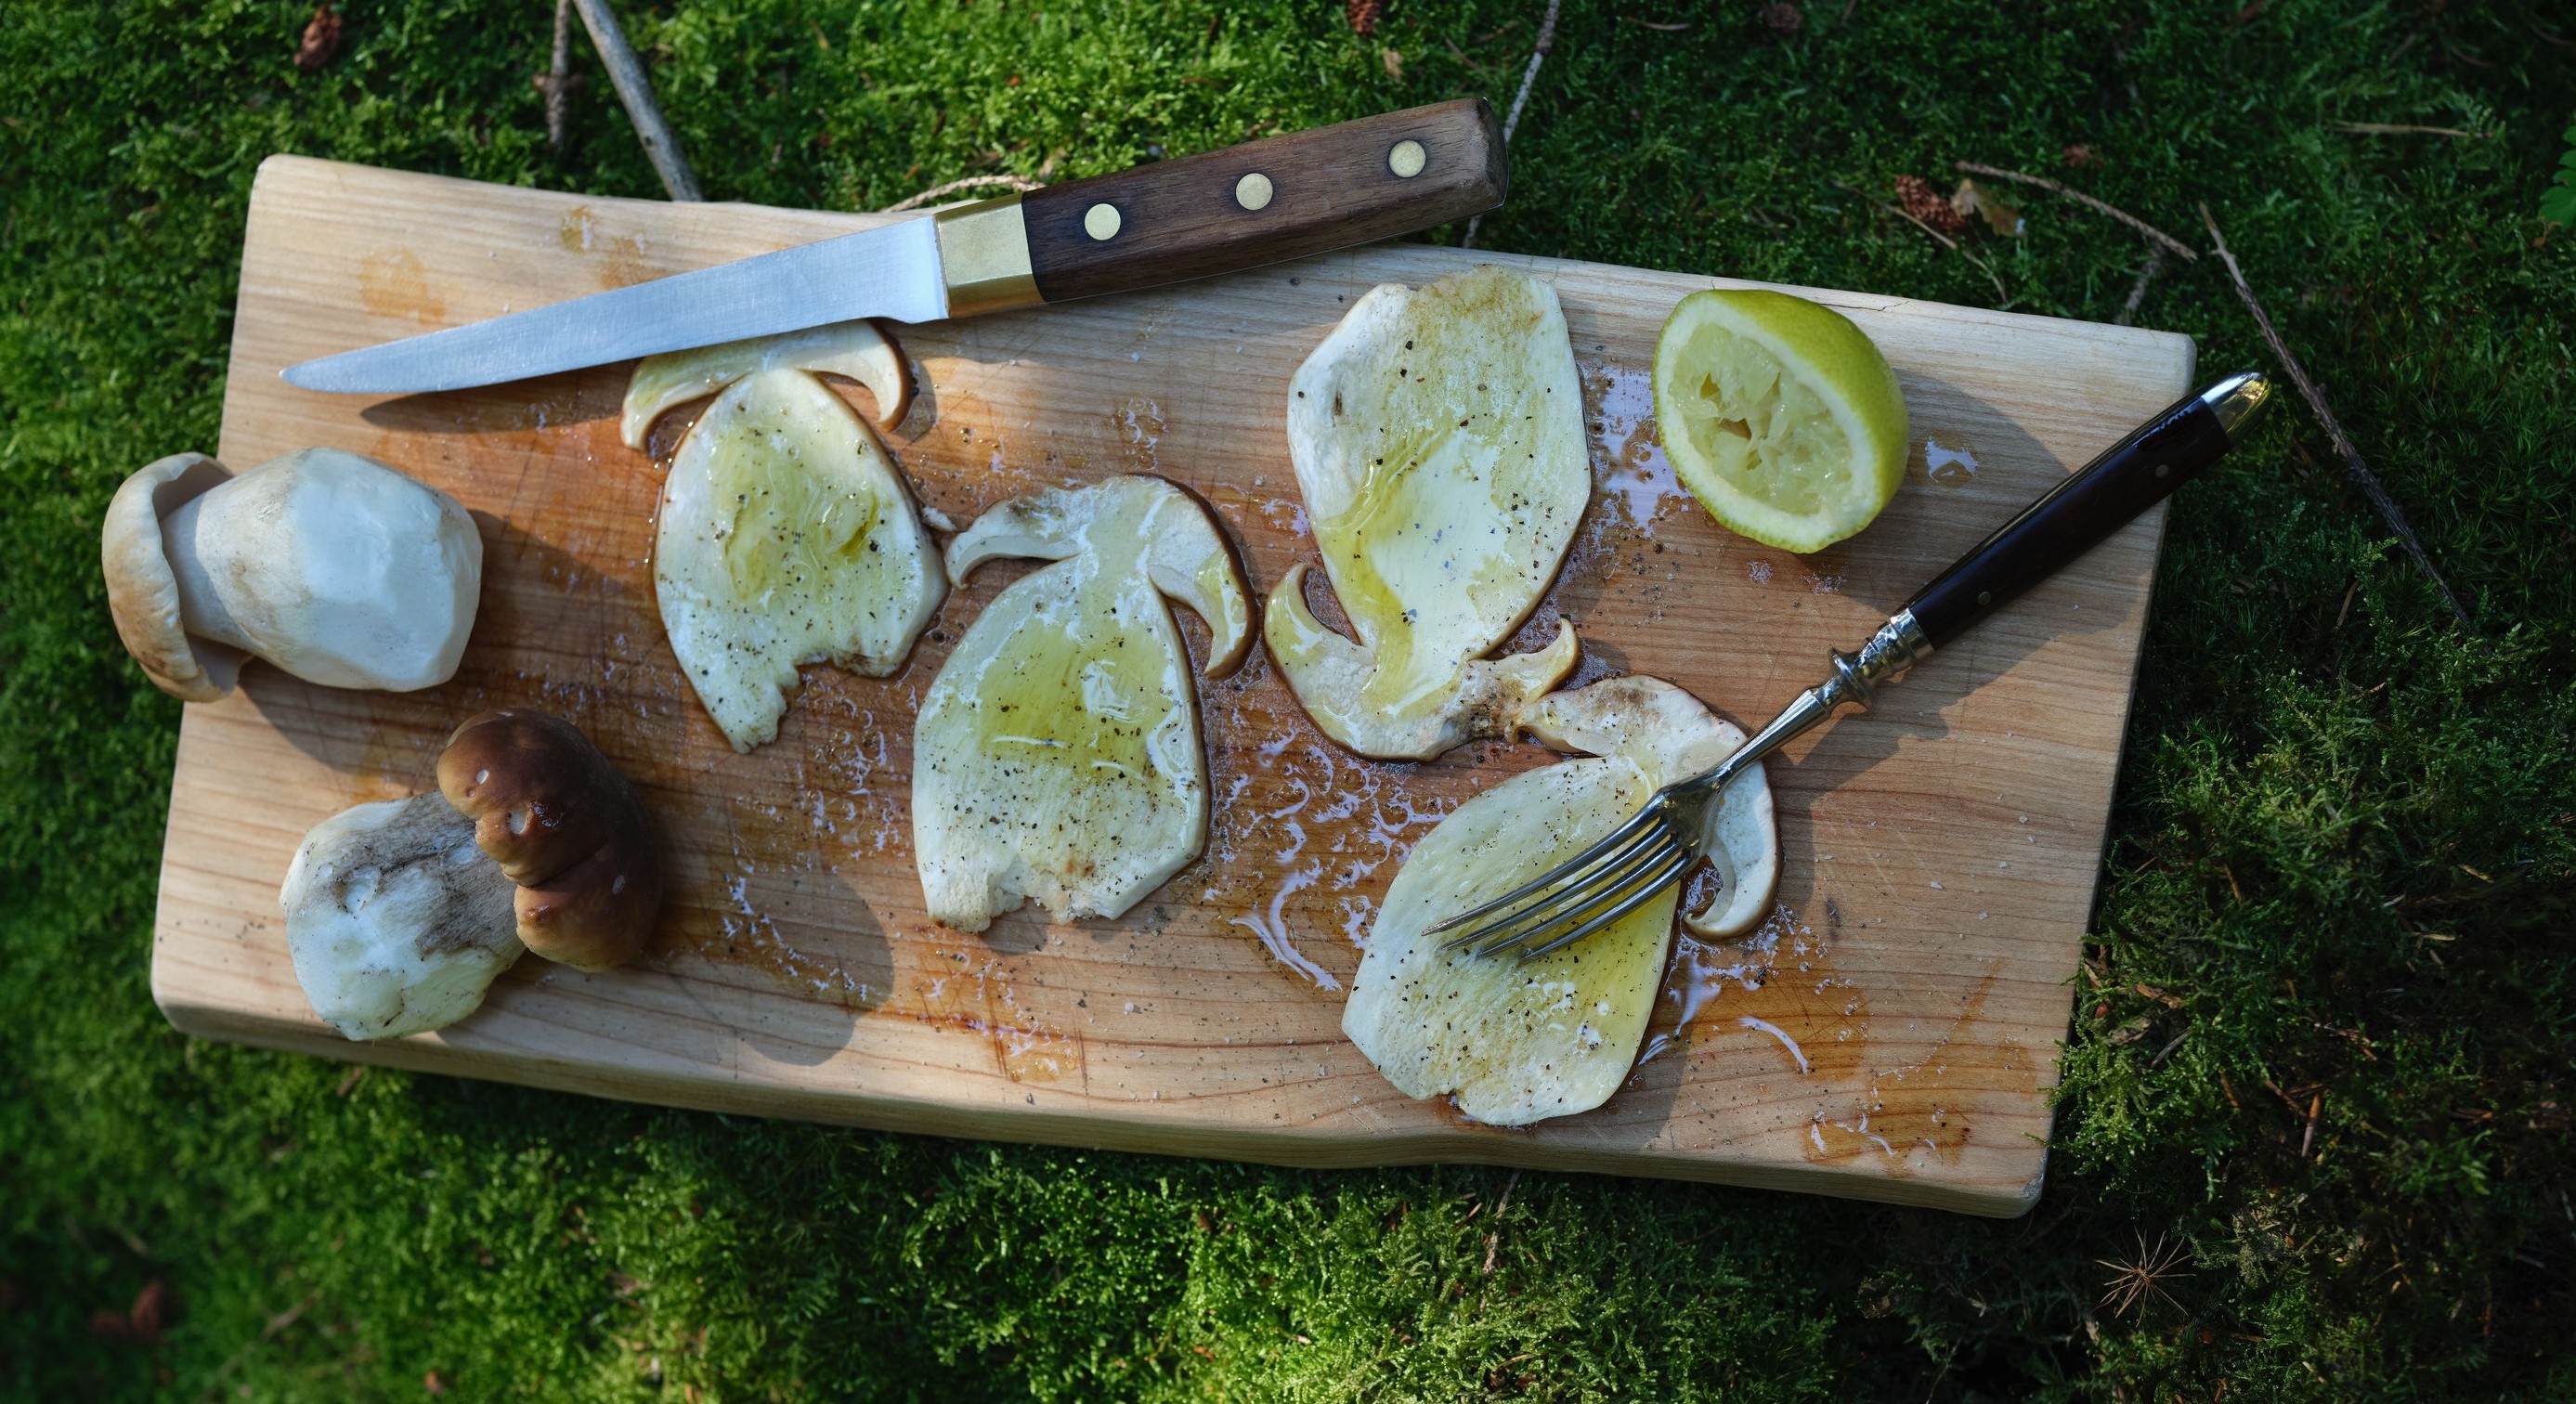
(2321,1048)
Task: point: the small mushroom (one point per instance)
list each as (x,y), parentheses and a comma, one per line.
(399,914)
(332,566)
(565,826)
(395,921)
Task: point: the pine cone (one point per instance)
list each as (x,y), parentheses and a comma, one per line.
(1784,19)
(1364,14)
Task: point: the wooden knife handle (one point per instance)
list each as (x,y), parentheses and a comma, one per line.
(1264,201)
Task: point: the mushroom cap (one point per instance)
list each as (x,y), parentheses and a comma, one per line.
(143,591)
(565,825)
(395,923)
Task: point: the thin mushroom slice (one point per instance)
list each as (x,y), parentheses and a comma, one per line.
(1058,756)
(787,535)
(1438,439)
(1520,1041)
(853,349)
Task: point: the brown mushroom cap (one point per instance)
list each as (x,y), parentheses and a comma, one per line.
(142,590)
(567,828)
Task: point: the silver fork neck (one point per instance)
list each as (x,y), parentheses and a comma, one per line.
(1898,645)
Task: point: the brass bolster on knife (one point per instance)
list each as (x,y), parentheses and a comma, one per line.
(984,255)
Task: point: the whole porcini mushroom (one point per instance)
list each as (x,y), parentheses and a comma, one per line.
(400,914)
(330,565)
(565,826)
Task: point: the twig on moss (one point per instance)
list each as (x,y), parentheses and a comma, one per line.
(1520,100)
(2362,477)
(2169,243)
(1494,1235)
(557,84)
(635,90)
(982,182)
(2147,272)
(2401,129)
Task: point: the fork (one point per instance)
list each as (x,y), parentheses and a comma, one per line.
(1661,841)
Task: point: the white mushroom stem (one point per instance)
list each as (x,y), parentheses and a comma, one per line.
(396,922)
(336,568)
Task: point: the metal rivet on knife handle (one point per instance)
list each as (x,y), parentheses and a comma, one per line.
(1407,159)
(984,257)
(1253,191)
(1101,221)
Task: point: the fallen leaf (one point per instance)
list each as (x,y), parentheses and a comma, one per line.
(1394,63)
(1974,199)
(433,1383)
(2078,155)
(152,1310)
(321,40)
(1925,203)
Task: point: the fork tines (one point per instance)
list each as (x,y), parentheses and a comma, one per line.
(1588,891)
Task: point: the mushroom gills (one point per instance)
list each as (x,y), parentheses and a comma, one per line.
(1437,438)
(1520,1041)
(1057,754)
(787,535)
(395,921)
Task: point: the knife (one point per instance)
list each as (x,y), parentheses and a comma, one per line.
(1222,211)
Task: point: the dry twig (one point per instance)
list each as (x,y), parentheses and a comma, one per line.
(2152,234)
(983,182)
(2401,129)
(1494,1235)
(635,90)
(2368,481)
(557,84)
(1529,77)
(2147,272)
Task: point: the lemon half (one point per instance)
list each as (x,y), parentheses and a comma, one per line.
(1779,415)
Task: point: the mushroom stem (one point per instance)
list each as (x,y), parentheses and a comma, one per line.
(332,566)
(202,611)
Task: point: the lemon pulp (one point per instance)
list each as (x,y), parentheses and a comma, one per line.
(1779,415)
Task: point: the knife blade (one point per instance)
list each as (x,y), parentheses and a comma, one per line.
(1217,212)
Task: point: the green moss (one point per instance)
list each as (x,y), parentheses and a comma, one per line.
(2345,853)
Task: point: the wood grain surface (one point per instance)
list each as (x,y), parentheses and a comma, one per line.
(1890,1034)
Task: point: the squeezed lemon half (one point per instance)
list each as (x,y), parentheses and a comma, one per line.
(1779,415)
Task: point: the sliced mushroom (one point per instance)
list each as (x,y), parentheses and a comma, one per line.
(563,824)
(395,921)
(1057,755)
(400,913)
(787,536)
(1519,1041)
(1438,439)
(332,566)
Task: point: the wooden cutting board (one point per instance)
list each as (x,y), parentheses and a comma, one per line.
(1890,1034)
